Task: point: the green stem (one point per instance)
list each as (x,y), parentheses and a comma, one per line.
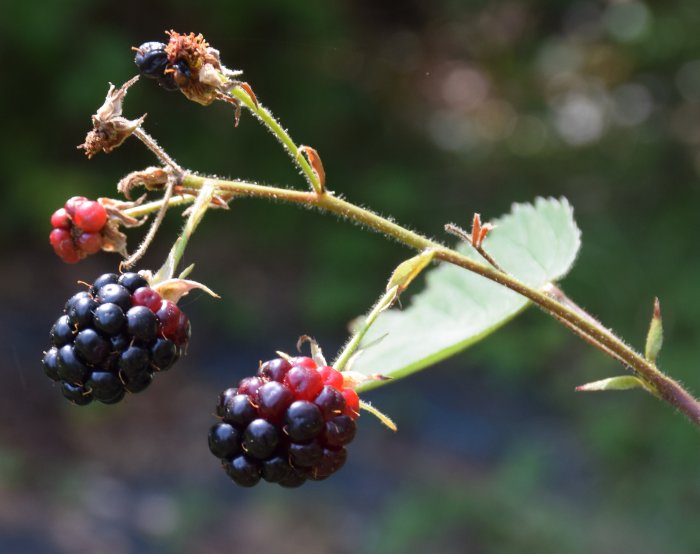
(668,389)
(202,203)
(155,205)
(386,301)
(267,119)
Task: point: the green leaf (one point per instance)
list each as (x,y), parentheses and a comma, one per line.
(535,243)
(623,382)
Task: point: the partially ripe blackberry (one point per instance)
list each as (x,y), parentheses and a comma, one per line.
(289,423)
(109,342)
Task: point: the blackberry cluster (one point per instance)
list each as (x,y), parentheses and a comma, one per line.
(289,423)
(77,229)
(111,339)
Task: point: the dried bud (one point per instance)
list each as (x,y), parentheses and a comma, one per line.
(197,71)
(110,129)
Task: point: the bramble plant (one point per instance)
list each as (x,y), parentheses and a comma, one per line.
(292,420)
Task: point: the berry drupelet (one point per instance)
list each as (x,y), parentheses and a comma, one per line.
(112,338)
(288,424)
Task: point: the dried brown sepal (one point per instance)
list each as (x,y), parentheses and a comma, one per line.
(109,128)
(151,178)
(225,97)
(113,240)
(316,164)
(116,211)
(208,78)
(249,91)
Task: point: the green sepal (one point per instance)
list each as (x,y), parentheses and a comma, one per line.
(655,336)
(621,382)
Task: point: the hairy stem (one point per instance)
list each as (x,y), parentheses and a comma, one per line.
(568,313)
(267,119)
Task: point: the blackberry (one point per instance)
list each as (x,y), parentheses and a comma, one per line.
(108,341)
(152,62)
(288,424)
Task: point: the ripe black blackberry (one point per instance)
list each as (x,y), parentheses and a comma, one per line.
(112,338)
(289,423)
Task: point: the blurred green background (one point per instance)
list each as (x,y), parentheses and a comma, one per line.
(423,110)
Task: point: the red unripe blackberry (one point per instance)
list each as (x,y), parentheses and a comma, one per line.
(303,361)
(274,370)
(89,243)
(352,403)
(77,229)
(331,377)
(104,345)
(72,203)
(174,324)
(305,383)
(90,216)
(62,242)
(146,296)
(285,425)
(250,386)
(60,219)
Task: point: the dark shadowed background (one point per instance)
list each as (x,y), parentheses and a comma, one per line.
(424,110)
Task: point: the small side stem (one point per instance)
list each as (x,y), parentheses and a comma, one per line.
(161,154)
(267,119)
(385,302)
(202,203)
(155,205)
(145,243)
